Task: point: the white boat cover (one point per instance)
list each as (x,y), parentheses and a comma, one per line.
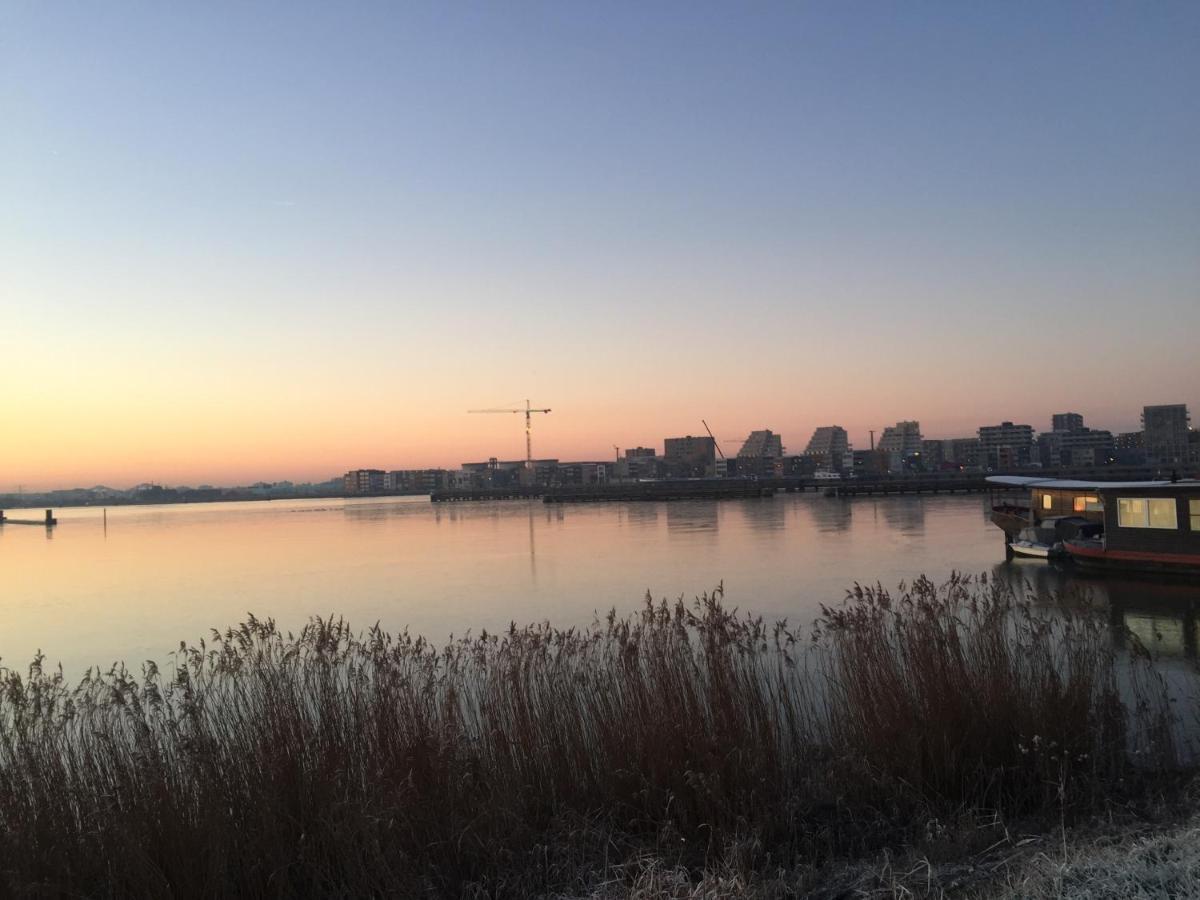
(1069,485)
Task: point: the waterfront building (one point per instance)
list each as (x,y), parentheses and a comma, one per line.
(690,457)
(962,453)
(763,444)
(1066,422)
(1006,446)
(1166,433)
(759,454)
(933,455)
(830,446)
(639,463)
(903,438)
(584,473)
(869,463)
(363,481)
(901,445)
(1078,447)
(794,466)
(414,481)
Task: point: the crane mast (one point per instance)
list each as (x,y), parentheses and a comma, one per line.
(529,411)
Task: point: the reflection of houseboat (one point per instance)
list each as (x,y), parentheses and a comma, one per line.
(1132,525)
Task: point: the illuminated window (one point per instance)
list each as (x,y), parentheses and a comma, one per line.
(1140,512)
(1194,513)
(1088,504)
(1162,514)
(1047,501)
(1132,513)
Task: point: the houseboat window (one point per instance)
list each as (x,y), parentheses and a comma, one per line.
(1088,504)
(1194,513)
(1141,512)
(1162,514)
(1047,501)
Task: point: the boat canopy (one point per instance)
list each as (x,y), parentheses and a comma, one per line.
(1069,485)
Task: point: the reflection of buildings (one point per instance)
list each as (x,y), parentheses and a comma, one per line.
(904,514)
(766,514)
(831,515)
(692,516)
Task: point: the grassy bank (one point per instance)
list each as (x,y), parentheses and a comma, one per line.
(543,760)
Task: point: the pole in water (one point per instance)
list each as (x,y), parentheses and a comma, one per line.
(50,517)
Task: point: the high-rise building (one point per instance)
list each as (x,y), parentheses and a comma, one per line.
(1066,422)
(1165,433)
(759,454)
(1006,446)
(961,452)
(829,442)
(1078,447)
(903,438)
(690,457)
(763,444)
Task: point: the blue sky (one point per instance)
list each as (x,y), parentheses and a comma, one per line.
(775,215)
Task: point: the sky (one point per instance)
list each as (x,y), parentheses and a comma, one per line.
(244,241)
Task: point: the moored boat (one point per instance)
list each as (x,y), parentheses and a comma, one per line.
(1141,526)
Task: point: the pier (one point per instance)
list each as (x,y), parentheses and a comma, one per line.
(706,489)
(720,489)
(48,522)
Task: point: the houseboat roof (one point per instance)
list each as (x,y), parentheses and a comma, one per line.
(1067,484)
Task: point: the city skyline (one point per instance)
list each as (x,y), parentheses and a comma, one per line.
(791,445)
(250,243)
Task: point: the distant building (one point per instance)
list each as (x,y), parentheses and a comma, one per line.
(690,457)
(962,453)
(759,454)
(869,463)
(415,481)
(903,438)
(798,466)
(1006,446)
(933,455)
(1066,422)
(639,463)
(762,444)
(1166,433)
(1078,447)
(901,445)
(1130,449)
(830,447)
(584,472)
(363,481)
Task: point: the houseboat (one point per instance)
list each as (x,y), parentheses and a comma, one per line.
(1144,526)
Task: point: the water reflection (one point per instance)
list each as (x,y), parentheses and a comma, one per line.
(87,595)
(905,514)
(832,514)
(690,518)
(761,515)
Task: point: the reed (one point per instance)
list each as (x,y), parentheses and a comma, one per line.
(334,762)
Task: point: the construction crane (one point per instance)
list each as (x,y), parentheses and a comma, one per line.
(716,443)
(529,411)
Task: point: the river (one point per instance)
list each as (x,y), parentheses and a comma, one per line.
(134,582)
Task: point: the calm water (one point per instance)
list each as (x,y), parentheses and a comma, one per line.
(86,593)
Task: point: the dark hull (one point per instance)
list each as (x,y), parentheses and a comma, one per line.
(1093,557)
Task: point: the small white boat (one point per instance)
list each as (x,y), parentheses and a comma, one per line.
(1035,550)
(1033,543)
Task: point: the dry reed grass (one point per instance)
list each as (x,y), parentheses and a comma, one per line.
(539,760)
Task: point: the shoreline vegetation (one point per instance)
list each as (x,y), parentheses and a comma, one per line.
(902,745)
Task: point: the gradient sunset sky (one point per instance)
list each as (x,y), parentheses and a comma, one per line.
(245,241)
